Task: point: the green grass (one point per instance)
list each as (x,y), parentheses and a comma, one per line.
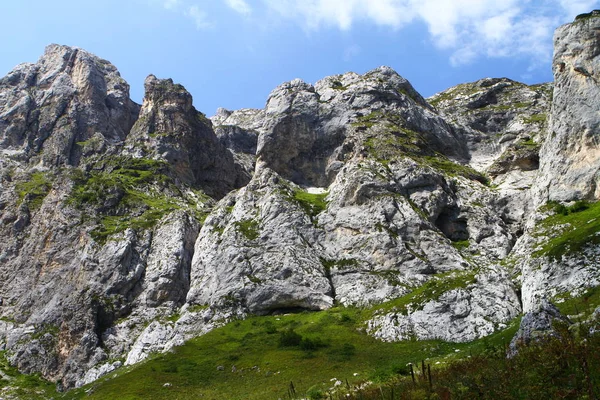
(536,118)
(451,168)
(510,106)
(34,190)
(312,203)
(394,142)
(159,134)
(367,121)
(137,191)
(565,366)
(329,344)
(430,290)
(337,85)
(461,245)
(115,174)
(155,207)
(388,140)
(577,226)
(340,264)
(582,306)
(460,90)
(530,143)
(23,386)
(248,227)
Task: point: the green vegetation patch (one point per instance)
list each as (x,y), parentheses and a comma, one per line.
(585,16)
(22,386)
(127,192)
(248,227)
(394,142)
(504,107)
(451,168)
(155,135)
(337,85)
(467,89)
(388,140)
(529,144)
(113,224)
(429,291)
(261,357)
(34,190)
(582,305)
(461,245)
(579,226)
(341,264)
(536,118)
(113,175)
(312,203)
(367,121)
(565,366)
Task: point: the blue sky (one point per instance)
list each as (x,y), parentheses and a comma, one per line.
(232,53)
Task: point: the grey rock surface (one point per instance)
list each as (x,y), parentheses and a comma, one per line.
(238,131)
(95,229)
(170,129)
(49,110)
(127,230)
(569,157)
(504,121)
(486,304)
(537,324)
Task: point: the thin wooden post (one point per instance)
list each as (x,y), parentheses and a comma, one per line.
(429,376)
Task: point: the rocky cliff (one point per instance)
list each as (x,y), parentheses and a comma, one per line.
(129,229)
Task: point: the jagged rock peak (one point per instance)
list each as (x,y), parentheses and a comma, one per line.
(330,120)
(67,97)
(570,164)
(382,79)
(172,130)
(165,93)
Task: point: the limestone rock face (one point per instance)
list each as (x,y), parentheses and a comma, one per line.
(568,171)
(483,306)
(49,110)
(497,116)
(305,125)
(536,324)
(238,131)
(570,157)
(263,240)
(504,123)
(128,230)
(172,130)
(376,213)
(96,225)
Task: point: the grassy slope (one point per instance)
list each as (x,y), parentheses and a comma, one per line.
(23,386)
(265,369)
(579,226)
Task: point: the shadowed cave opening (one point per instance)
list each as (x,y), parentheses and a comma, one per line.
(452,224)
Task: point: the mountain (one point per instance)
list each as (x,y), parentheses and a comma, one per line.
(129,229)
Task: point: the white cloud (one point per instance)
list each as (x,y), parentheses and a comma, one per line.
(199,17)
(239,6)
(342,13)
(469,29)
(170,4)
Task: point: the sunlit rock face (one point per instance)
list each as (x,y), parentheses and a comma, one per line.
(129,229)
(570,162)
